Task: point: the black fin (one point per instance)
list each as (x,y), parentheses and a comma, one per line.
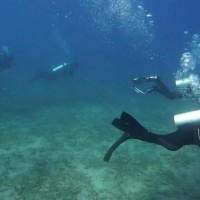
(128,124)
(121,125)
(125,117)
(131,128)
(122,139)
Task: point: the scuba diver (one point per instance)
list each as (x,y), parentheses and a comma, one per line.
(159,87)
(188,124)
(63,70)
(6,58)
(187,133)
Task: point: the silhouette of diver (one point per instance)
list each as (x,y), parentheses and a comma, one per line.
(64,70)
(186,134)
(6,58)
(159,87)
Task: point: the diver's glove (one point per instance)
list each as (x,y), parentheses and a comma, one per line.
(131,128)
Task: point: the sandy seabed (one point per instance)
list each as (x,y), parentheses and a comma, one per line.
(55,151)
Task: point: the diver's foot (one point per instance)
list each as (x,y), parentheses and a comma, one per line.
(144,79)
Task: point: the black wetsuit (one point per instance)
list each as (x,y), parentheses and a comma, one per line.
(188,134)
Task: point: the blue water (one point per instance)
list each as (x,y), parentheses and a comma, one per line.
(54,134)
(37,30)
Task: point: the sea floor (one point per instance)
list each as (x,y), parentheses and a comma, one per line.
(53,149)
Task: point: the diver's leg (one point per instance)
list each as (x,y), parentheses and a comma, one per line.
(186,135)
(162,86)
(39,75)
(159,86)
(43,75)
(134,129)
(183,136)
(155,88)
(164,90)
(172,141)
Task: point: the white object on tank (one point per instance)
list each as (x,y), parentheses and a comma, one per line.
(59,67)
(182,82)
(188,117)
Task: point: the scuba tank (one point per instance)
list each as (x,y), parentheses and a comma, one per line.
(59,67)
(192,117)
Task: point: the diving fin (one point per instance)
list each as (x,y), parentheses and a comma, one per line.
(122,139)
(131,128)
